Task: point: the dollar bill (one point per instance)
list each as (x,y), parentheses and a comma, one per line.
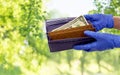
(79,21)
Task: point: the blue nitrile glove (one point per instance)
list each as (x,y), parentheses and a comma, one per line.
(103,41)
(100,21)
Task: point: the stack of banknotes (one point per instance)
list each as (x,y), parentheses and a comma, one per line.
(77,22)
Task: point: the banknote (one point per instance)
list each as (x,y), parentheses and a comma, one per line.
(79,21)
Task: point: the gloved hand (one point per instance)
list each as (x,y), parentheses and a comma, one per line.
(103,41)
(100,21)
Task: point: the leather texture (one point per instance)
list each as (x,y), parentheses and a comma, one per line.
(70,33)
(66,39)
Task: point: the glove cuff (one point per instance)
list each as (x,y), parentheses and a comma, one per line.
(110,20)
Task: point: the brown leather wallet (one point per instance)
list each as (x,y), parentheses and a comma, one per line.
(70,33)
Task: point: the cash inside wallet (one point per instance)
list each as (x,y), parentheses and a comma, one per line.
(73,29)
(70,33)
(66,38)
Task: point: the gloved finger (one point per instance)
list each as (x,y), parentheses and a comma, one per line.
(94,35)
(82,47)
(96,25)
(86,47)
(89,17)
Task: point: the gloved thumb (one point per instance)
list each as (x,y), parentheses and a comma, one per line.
(89,17)
(92,34)
(87,47)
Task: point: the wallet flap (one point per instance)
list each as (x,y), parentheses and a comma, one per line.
(70,33)
(59,20)
(66,44)
(55,23)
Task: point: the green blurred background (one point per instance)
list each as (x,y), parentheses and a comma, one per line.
(24,49)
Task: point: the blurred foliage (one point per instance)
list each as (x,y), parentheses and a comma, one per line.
(24,49)
(22,44)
